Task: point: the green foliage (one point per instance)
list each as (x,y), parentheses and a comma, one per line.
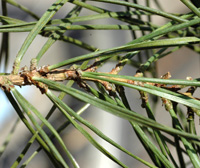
(152,43)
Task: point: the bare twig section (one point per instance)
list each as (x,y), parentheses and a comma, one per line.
(15,79)
(25,77)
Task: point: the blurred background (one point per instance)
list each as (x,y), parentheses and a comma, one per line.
(117,129)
